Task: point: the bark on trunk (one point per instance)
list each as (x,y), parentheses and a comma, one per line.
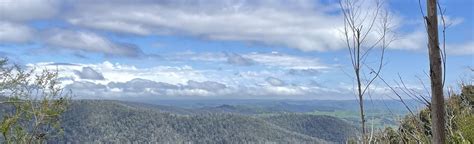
(437,99)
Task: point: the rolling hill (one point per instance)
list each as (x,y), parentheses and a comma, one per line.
(102,121)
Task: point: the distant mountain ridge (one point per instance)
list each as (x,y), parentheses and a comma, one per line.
(107,121)
(290,105)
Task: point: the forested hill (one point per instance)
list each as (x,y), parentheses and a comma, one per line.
(123,122)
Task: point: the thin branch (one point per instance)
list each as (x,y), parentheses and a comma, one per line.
(398,95)
(443,52)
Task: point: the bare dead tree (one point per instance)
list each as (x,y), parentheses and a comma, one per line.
(436,75)
(365,30)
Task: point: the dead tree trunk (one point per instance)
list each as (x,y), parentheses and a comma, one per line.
(437,99)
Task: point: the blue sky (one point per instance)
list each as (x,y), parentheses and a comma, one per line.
(180,49)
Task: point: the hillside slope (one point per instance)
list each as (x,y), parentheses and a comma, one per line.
(324,127)
(117,122)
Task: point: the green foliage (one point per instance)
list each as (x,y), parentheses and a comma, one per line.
(31,104)
(95,121)
(416,128)
(467,127)
(379,119)
(325,127)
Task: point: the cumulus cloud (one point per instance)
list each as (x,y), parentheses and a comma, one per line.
(275,81)
(84,85)
(287,61)
(86,89)
(15,13)
(236,59)
(90,42)
(151,89)
(272,59)
(461,49)
(126,81)
(285,90)
(415,40)
(116,72)
(15,32)
(206,85)
(140,85)
(89,73)
(24,10)
(146,88)
(305,25)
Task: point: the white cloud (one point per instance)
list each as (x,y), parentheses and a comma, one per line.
(24,10)
(206,85)
(236,59)
(89,42)
(125,81)
(275,81)
(15,14)
(89,73)
(15,33)
(287,61)
(123,73)
(285,91)
(415,40)
(273,59)
(450,21)
(194,56)
(461,49)
(305,25)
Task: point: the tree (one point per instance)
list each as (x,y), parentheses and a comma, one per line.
(436,75)
(31,104)
(365,30)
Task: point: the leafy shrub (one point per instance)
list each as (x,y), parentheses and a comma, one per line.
(416,128)
(31,104)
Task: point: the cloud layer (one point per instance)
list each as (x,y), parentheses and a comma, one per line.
(15,33)
(89,73)
(122,30)
(107,80)
(306,25)
(89,42)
